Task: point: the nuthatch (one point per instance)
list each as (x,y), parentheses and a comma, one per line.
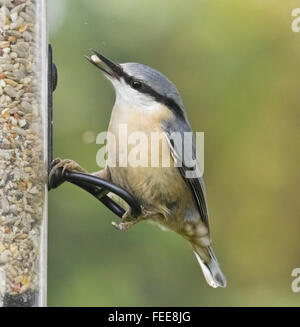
(147,101)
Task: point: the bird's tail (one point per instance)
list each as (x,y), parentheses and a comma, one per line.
(210,266)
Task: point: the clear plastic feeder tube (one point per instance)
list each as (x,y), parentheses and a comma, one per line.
(23,152)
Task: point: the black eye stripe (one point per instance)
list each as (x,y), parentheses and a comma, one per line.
(146,89)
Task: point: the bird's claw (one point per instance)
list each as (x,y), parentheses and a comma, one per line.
(57,164)
(123,226)
(67,164)
(127,221)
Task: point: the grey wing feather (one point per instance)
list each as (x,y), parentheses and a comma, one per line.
(195,184)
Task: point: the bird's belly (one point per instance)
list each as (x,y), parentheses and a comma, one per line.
(150,184)
(160,190)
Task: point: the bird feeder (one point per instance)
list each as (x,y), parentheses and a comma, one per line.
(27,80)
(23,152)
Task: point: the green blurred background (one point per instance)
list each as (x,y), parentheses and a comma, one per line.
(237,66)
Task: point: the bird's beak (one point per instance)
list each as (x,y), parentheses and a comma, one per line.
(110,68)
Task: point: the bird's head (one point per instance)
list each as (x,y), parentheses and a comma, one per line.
(139,86)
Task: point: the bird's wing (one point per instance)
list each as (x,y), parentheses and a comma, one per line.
(195,181)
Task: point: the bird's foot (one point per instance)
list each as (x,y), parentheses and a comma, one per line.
(65,164)
(127,221)
(123,226)
(55,178)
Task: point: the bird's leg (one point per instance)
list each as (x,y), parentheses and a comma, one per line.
(56,177)
(65,164)
(128,221)
(125,225)
(71,165)
(68,164)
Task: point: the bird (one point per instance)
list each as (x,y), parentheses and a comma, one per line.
(173,197)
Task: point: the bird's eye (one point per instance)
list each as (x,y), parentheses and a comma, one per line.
(136,84)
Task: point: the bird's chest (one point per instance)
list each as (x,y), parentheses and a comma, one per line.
(136,139)
(139,158)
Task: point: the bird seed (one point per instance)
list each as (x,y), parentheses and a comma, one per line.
(22,167)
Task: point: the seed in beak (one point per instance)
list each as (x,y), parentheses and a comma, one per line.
(96,59)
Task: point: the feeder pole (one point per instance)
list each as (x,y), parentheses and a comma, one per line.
(23,153)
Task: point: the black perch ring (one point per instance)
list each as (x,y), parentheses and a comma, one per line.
(99,188)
